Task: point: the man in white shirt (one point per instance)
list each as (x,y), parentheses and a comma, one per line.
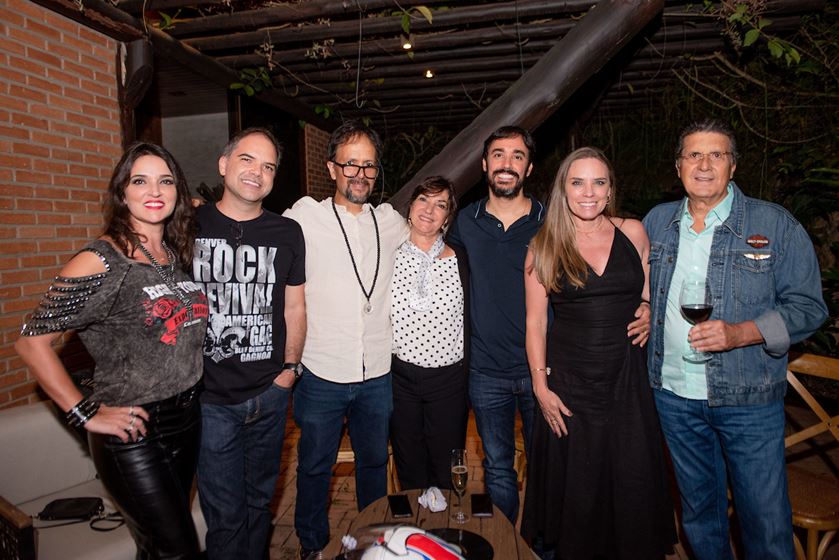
(350,248)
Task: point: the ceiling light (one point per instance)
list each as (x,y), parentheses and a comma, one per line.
(429,73)
(406,42)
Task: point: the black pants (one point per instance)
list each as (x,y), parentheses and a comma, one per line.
(428,421)
(151,479)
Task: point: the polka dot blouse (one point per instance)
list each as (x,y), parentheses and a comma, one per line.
(432,338)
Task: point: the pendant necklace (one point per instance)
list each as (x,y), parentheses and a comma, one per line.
(168,276)
(367,295)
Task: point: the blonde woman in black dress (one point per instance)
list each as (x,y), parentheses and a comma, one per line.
(596,484)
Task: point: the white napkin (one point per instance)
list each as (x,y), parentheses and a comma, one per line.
(432,499)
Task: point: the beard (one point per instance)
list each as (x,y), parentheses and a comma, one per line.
(505,192)
(358,198)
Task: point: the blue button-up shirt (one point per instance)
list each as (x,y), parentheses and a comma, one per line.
(496,263)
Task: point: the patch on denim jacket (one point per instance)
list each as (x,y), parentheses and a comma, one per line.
(758,241)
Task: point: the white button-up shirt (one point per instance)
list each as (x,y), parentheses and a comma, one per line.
(344,344)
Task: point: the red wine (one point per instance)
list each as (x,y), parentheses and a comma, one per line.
(696,313)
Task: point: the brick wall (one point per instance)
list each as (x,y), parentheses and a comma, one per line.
(59,140)
(316,180)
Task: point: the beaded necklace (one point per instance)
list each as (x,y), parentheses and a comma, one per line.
(168,276)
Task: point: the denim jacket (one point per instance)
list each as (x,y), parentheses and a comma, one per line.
(776,284)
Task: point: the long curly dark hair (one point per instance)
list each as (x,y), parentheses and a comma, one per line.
(180,229)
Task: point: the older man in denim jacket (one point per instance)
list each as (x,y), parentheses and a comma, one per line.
(724,419)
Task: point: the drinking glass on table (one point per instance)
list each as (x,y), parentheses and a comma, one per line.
(460,475)
(696,305)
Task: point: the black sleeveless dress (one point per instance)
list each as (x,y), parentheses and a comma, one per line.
(601,491)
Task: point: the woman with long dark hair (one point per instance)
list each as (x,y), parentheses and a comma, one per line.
(129,299)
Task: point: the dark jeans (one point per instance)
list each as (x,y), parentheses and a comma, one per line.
(428,421)
(320,407)
(494,401)
(238,467)
(151,479)
(741,445)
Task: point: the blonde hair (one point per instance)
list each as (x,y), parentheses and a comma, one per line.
(555,251)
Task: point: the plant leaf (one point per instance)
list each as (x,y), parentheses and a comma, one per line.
(763,22)
(775,48)
(236,85)
(249,91)
(426,13)
(406,24)
(752,35)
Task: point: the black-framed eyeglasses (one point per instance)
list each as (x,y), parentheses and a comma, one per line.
(696,157)
(350,170)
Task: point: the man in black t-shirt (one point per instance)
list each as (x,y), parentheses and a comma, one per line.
(251,264)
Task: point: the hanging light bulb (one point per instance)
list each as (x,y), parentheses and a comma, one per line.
(429,73)
(406,42)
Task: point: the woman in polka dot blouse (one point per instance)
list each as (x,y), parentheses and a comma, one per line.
(430,324)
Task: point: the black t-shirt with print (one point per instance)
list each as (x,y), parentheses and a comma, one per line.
(244,268)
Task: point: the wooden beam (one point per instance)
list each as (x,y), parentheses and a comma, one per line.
(480,69)
(388,25)
(397,55)
(122,23)
(474,90)
(595,39)
(98,16)
(288,13)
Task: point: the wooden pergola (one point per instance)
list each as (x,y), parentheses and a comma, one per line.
(473,65)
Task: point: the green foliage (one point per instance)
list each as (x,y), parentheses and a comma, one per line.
(166,21)
(252,81)
(324,110)
(406,15)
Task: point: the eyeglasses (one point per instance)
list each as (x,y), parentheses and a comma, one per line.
(351,170)
(696,157)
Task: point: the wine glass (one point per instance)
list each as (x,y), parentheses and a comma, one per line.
(696,306)
(460,474)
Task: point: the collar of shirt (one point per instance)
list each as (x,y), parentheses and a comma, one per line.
(717,215)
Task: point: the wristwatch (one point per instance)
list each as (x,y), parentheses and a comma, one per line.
(296,367)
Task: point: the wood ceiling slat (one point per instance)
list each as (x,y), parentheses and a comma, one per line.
(385,25)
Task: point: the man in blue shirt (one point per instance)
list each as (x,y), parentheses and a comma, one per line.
(724,419)
(495,232)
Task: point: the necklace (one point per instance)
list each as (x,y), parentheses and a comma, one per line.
(168,276)
(367,295)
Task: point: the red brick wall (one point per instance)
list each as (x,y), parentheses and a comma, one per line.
(316,181)
(59,140)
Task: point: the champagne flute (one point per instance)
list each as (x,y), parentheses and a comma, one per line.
(696,306)
(460,475)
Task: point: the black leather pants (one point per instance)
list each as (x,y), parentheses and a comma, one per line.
(151,479)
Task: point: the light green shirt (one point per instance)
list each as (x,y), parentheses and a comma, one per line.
(683,378)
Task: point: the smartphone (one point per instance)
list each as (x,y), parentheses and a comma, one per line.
(399,505)
(481,505)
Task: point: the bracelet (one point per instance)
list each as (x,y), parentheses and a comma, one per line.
(79,415)
(645,301)
(547,370)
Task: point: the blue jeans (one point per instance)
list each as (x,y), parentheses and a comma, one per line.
(494,401)
(320,407)
(746,443)
(238,465)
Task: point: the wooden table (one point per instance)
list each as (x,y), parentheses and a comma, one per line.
(506,542)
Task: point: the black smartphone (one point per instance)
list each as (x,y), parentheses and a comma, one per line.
(481,505)
(399,505)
